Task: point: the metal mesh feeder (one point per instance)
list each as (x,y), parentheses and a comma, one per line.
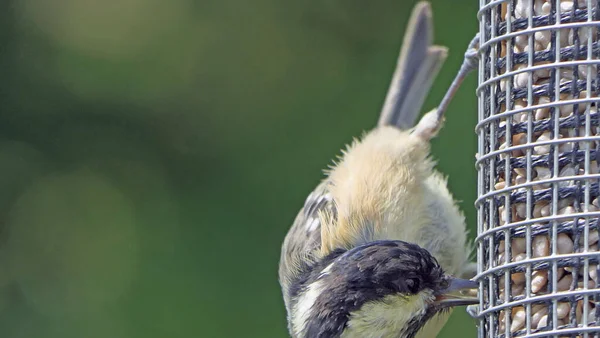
(538,176)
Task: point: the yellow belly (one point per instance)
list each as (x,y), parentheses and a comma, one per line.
(434,325)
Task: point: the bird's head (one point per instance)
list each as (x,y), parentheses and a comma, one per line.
(383,288)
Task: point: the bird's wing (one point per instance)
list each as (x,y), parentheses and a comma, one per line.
(303,241)
(418,64)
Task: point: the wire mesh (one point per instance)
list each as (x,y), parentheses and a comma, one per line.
(538,176)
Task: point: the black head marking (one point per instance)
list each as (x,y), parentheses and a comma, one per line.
(363,274)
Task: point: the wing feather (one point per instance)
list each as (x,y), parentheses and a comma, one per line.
(302,244)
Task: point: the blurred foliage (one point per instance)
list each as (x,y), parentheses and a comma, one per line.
(154,153)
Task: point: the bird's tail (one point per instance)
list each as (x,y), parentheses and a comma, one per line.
(418,64)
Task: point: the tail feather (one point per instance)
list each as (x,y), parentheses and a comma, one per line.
(418,64)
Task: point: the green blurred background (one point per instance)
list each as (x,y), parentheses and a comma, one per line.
(154,153)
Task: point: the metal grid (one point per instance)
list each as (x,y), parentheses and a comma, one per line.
(538,181)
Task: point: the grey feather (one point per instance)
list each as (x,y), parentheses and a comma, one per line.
(418,64)
(303,241)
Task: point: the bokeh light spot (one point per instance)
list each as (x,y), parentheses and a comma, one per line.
(73,243)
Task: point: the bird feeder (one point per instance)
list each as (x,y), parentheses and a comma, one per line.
(538,168)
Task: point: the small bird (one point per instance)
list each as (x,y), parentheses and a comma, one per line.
(380,247)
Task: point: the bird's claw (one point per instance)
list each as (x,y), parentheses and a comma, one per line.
(472,54)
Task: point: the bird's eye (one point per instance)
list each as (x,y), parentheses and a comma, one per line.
(413,284)
(444,284)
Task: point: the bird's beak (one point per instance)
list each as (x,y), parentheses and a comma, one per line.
(459,292)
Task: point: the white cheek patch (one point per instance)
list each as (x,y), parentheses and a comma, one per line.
(304,306)
(326,271)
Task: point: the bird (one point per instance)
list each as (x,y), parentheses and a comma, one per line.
(379,248)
